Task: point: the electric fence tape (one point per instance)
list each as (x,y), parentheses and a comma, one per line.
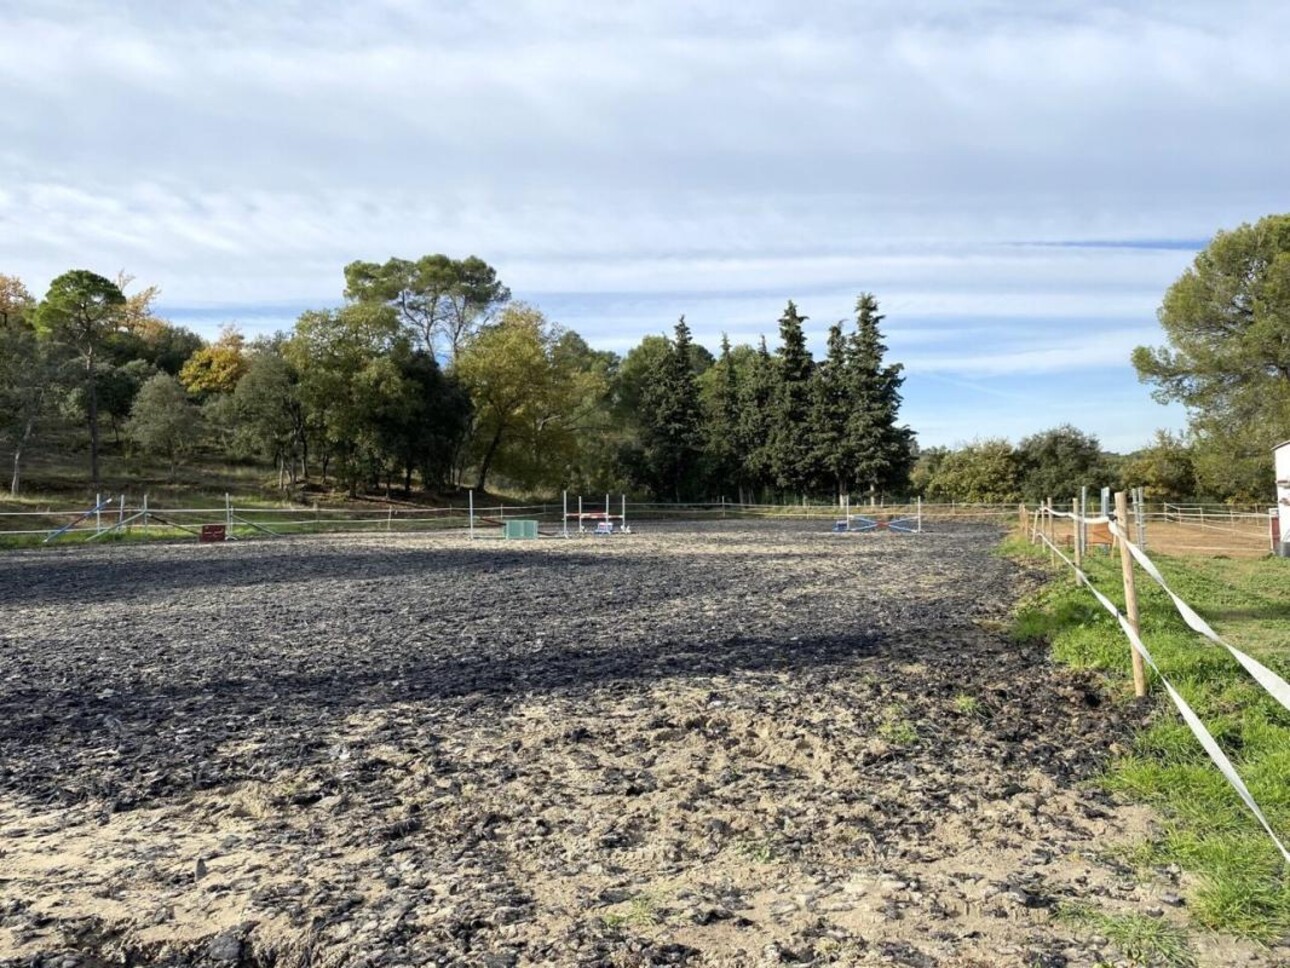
(1193,722)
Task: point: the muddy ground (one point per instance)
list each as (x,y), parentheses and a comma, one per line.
(749,745)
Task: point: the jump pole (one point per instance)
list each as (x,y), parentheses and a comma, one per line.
(565,519)
(624,514)
(471,498)
(579,514)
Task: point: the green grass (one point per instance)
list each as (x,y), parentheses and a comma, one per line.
(1242,885)
(967,704)
(1149,942)
(895,727)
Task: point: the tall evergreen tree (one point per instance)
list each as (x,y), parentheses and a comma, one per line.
(721,422)
(756,402)
(833,458)
(671,419)
(790,448)
(881,451)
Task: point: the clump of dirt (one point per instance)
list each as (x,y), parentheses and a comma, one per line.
(744,745)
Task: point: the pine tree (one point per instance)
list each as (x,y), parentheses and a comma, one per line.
(671,419)
(756,401)
(832,455)
(881,452)
(721,424)
(790,447)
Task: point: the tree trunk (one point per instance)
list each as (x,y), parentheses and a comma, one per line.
(21,443)
(93,420)
(488,459)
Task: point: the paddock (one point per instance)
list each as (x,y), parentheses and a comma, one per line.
(719,744)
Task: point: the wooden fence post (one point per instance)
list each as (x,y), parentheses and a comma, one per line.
(1021,510)
(1130,592)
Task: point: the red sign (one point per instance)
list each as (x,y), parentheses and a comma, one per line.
(213,532)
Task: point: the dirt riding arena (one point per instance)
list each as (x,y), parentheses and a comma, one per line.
(754,744)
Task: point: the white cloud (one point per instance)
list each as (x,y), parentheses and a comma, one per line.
(717,156)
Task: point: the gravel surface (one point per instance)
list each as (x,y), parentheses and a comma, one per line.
(737,746)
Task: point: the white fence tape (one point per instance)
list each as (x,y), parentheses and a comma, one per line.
(1269,680)
(1193,722)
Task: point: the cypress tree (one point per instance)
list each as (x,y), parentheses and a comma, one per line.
(671,419)
(721,427)
(881,452)
(830,414)
(790,446)
(756,401)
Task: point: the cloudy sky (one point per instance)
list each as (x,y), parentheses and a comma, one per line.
(1017,181)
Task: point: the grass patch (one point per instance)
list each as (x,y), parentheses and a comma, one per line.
(895,727)
(1149,942)
(1243,885)
(967,705)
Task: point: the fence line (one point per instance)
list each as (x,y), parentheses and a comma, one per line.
(151,518)
(1274,684)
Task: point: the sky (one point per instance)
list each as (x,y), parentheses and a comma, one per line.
(1017,182)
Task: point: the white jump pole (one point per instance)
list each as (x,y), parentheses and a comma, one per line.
(606,508)
(624,514)
(98,513)
(566,514)
(471,493)
(579,514)
(920,514)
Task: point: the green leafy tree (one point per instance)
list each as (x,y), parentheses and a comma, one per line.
(1056,463)
(163,422)
(982,472)
(17,307)
(1165,469)
(216,368)
(441,301)
(81,312)
(346,386)
(117,388)
(791,454)
(881,451)
(531,396)
(926,466)
(269,411)
(27,375)
(671,419)
(1227,323)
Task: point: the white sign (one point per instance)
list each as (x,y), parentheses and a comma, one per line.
(1282,453)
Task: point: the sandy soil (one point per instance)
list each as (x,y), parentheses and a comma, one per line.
(735,747)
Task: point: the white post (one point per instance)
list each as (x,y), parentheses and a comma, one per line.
(920,514)
(120,512)
(624,514)
(471,492)
(228,512)
(566,514)
(579,514)
(98,512)
(606,509)
(1083,513)
(145,512)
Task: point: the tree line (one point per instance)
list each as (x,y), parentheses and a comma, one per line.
(429,376)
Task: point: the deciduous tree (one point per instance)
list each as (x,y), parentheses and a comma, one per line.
(163,421)
(81,311)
